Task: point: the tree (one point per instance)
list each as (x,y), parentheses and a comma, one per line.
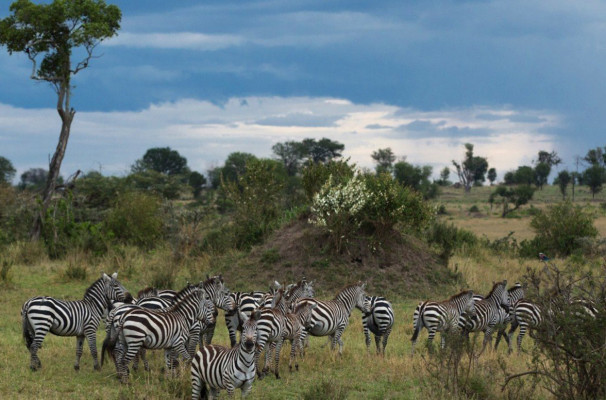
(492,175)
(162,160)
(596,156)
(524,175)
(34,179)
(235,165)
(196,181)
(416,177)
(518,196)
(594,177)
(551,159)
(384,159)
(49,34)
(291,154)
(323,150)
(444,175)
(7,171)
(472,169)
(541,173)
(562,180)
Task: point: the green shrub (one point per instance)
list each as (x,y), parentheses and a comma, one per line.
(135,219)
(559,228)
(474,209)
(5,269)
(327,389)
(448,238)
(75,272)
(315,175)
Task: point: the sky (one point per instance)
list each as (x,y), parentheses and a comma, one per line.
(208,78)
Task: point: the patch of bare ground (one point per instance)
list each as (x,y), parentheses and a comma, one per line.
(399,267)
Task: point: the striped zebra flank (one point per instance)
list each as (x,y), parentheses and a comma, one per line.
(441,316)
(489,312)
(271,326)
(515,293)
(217,367)
(218,294)
(172,329)
(526,315)
(245,302)
(379,320)
(80,318)
(331,317)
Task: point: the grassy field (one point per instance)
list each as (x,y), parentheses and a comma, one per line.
(355,375)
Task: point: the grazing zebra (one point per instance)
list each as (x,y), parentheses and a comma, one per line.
(379,320)
(79,318)
(331,317)
(170,329)
(526,315)
(226,368)
(441,316)
(515,293)
(488,313)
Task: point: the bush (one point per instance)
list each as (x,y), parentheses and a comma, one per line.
(449,238)
(560,227)
(135,219)
(315,175)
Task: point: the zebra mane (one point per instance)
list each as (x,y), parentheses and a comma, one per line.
(91,288)
(183,293)
(459,295)
(494,287)
(147,292)
(211,279)
(353,285)
(184,300)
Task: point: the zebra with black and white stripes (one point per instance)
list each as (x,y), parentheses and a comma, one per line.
(331,317)
(220,367)
(526,315)
(171,329)
(515,293)
(79,318)
(379,320)
(245,302)
(220,297)
(488,313)
(441,316)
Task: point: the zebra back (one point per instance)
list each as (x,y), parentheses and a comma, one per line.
(380,317)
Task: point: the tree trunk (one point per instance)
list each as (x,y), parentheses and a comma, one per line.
(53,170)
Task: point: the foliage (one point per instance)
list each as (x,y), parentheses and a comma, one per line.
(569,354)
(7,171)
(323,150)
(291,154)
(551,159)
(384,159)
(197,181)
(594,177)
(492,176)
(256,199)
(559,227)
(518,196)
(417,178)
(541,173)
(33,179)
(444,175)
(315,175)
(472,170)
(596,156)
(162,160)
(562,180)
(448,238)
(135,219)
(163,185)
(234,168)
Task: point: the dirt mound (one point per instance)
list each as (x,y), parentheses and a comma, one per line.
(400,267)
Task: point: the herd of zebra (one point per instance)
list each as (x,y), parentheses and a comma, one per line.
(180,322)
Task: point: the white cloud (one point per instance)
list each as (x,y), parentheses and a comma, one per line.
(176,40)
(206,133)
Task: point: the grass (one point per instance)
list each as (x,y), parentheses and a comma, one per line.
(322,374)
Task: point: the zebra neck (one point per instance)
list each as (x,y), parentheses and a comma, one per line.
(96,299)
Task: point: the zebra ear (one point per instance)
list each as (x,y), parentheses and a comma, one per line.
(115,275)
(105,276)
(243,317)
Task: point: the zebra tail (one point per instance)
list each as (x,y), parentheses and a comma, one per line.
(107,347)
(27,329)
(418,324)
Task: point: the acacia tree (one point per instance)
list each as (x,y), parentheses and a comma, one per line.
(472,169)
(384,159)
(48,34)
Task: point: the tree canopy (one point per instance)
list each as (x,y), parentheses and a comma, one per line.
(384,159)
(472,169)
(7,171)
(162,160)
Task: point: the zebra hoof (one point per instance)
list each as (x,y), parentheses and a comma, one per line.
(97,368)
(33,368)
(76,367)
(278,376)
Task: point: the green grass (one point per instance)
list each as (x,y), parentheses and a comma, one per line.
(355,375)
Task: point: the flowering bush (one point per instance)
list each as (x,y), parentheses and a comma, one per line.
(369,201)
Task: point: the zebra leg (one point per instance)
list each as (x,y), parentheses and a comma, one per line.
(277,347)
(521,336)
(246,387)
(131,352)
(294,344)
(91,336)
(79,345)
(366,335)
(269,348)
(385,337)
(208,336)
(232,321)
(378,344)
(337,339)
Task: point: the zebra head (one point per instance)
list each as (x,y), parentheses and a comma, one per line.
(205,309)
(218,293)
(248,338)
(305,313)
(470,306)
(499,295)
(360,298)
(368,304)
(114,291)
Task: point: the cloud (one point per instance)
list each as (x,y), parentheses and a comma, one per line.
(206,133)
(176,40)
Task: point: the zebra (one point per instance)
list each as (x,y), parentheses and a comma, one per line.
(526,315)
(219,295)
(227,368)
(379,320)
(441,316)
(79,318)
(290,295)
(170,329)
(331,317)
(515,293)
(245,303)
(488,313)
(295,324)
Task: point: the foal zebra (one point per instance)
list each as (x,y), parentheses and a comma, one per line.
(331,317)
(441,316)
(487,313)
(79,318)
(171,329)
(379,320)
(226,368)
(245,303)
